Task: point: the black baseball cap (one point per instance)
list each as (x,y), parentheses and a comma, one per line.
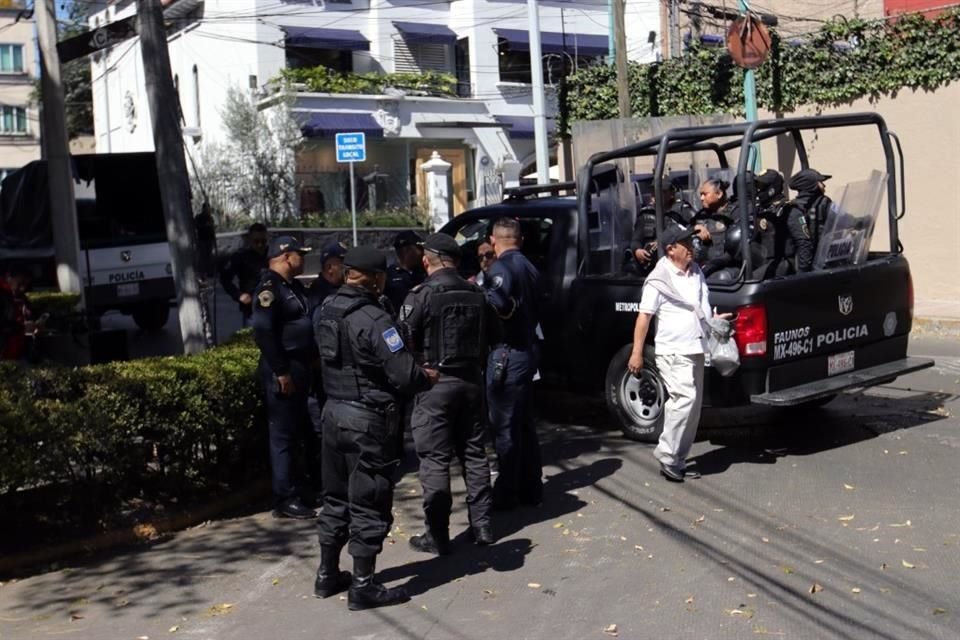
(406,238)
(332,250)
(675,233)
(807,180)
(365,259)
(285,244)
(442,245)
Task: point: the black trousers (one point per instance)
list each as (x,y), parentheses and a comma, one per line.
(290,428)
(446,423)
(360,460)
(510,407)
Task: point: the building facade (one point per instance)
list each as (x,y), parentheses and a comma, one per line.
(481,120)
(19,118)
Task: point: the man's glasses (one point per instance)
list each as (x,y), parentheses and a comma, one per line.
(487,255)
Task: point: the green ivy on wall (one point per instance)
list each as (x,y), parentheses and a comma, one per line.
(324,80)
(846,60)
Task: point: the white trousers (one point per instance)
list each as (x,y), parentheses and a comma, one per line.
(683,377)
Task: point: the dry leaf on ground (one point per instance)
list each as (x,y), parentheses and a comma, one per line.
(846,518)
(533,585)
(907,565)
(815,588)
(848,487)
(610,630)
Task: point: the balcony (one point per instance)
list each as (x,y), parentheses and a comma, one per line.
(324,80)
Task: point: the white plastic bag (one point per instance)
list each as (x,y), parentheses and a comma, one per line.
(723,353)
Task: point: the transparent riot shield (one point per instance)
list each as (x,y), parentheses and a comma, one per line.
(847,231)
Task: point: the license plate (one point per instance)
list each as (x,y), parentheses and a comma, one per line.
(127,290)
(840,363)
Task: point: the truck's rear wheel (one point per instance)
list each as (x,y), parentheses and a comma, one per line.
(151,316)
(637,402)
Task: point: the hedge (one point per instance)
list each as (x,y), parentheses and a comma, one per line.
(156,428)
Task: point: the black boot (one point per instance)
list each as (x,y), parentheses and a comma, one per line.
(330,580)
(367,593)
(428,542)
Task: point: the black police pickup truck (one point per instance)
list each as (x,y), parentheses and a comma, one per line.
(803,337)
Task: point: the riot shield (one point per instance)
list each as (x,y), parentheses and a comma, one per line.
(847,231)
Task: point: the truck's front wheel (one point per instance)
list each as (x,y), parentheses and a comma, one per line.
(636,401)
(151,316)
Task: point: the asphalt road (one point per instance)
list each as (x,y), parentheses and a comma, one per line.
(842,523)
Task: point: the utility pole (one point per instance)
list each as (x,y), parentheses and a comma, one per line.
(623,75)
(750,97)
(63,206)
(539,101)
(674,19)
(171,171)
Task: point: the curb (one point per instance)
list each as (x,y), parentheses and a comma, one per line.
(140,533)
(945,327)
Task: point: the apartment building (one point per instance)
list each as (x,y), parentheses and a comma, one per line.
(19,119)
(476,126)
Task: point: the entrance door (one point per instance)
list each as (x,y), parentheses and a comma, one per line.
(457,182)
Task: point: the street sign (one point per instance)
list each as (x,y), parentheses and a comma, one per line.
(97,39)
(351,147)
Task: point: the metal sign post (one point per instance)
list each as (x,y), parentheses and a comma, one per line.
(352,148)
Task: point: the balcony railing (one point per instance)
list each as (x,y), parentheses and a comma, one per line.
(324,80)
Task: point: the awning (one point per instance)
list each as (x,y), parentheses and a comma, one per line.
(324,124)
(310,38)
(521,127)
(576,44)
(422,32)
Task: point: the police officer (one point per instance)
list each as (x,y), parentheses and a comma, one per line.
(284,334)
(446,320)
(512,291)
(643,242)
(714,221)
(408,271)
(330,277)
(806,214)
(366,370)
(245,267)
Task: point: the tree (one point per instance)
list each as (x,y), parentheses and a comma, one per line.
(252,173)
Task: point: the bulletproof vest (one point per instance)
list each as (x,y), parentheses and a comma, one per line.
(458,328)
(342,379)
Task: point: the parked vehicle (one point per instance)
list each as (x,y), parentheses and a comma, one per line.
(802,337)
(125,259)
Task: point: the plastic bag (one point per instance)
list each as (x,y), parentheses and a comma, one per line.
(723,352)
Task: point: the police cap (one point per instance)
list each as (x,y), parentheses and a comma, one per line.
(332,250)
(406,238)
(675,233)
(285,244)
(442,245)
(365,259)
(807,180)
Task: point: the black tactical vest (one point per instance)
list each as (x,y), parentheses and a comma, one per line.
(458,329)
(342,379)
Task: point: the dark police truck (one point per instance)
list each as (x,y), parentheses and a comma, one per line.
(802,337)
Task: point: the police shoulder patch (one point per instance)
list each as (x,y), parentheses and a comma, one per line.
(406,311)
(392,337)
(266,298)
(496,282)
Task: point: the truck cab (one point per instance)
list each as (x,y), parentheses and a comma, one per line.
(802,337)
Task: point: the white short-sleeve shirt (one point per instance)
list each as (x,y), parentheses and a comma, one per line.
(679,330)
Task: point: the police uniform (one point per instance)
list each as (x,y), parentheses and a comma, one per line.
(806,215)
(713,255)
(246,267)
(399,280)
(284,334)
(446,321)
(512,291)
(366,370)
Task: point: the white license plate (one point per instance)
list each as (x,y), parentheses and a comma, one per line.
(840,363)
(127,290)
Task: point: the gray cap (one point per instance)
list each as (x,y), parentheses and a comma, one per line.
(365,259)
(285,244)
(675,233)
(442,245)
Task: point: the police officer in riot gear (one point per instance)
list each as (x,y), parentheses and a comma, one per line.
(408,271)
(806,215)
(367,369)
(512,291)
(284,333)
(241,272)
(446,320)
(715,219)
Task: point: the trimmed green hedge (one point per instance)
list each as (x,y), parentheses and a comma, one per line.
(173,423)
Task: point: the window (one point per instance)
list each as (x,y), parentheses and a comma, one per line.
(13,120)
(307,58)
(417,57)
(11,58)
(515,65)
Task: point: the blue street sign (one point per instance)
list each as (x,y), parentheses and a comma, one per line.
(351,147)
